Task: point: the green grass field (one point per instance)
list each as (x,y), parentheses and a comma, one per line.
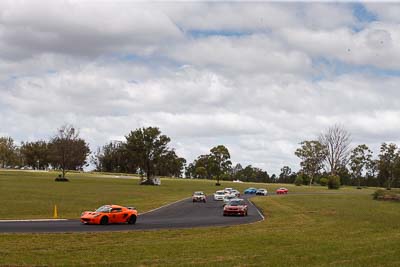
(345,229)
(30,194)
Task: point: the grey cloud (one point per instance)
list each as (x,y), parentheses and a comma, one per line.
(86,29)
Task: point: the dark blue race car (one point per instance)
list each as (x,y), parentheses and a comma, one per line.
(250,190)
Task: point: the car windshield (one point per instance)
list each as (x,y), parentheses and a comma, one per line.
(220,193)
(236,203)
(198,193)
(104,209)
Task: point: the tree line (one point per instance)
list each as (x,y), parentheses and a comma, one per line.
(217,164)
(331,157)
(146,151)
(64,151)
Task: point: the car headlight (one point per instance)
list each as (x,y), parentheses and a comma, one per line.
(83,213)
(96,215)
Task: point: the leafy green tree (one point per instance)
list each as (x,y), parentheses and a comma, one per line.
(286,175)
(202,167)
(360,159)
(217,165)
(299,180)
(206,162)
(112,157)
(261,176)
(201,172)
(323,181)
(236,171)
(148,148)
(220,159)
(312,155)
(344,174)
(8,152)
(36,154)
(67,150)
(250,174)
(170,165)
(190,171)
(372,173)
(389,163)
(333,182)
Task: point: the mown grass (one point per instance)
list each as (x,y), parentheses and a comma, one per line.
(29,194)
(300,230)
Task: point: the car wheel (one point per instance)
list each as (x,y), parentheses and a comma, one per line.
(132,219)
(204,200)
(104,220)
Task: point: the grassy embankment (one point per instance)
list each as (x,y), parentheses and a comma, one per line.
(300,230)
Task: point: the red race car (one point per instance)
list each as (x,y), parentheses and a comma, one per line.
(236,207)
(281,191)
(110,214)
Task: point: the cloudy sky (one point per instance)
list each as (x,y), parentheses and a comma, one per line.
(256,77)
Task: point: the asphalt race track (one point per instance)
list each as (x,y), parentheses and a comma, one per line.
(182,214)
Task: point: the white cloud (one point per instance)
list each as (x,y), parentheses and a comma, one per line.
(255,16)
(245,75)
(255,53)
(378,44)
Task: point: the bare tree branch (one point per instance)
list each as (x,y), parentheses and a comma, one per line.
(337,141)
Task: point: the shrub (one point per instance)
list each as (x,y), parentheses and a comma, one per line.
(377,194)
(333,182)
(323,181)
(393,195)
(306,180)
(299,180)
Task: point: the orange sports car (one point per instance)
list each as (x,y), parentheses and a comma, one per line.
(110,214)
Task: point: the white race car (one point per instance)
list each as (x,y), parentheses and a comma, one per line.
(235,192)
(199,196)
(228,198)
(219,195)
(228,190)
(262,192)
